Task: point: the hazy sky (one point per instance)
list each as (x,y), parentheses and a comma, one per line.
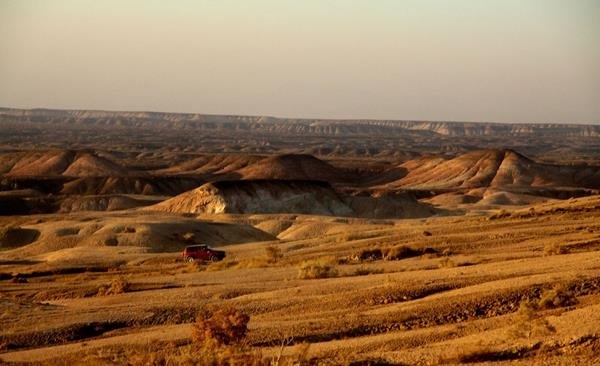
(478,60)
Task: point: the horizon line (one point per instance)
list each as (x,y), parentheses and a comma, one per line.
(344,119)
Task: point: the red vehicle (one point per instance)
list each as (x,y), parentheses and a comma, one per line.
(202,253)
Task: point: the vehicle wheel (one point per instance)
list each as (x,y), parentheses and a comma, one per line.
(189,260)
(213,258)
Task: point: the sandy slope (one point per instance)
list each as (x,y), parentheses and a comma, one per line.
(461,300)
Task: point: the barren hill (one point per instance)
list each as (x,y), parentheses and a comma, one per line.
(493,168)
(59,162)
(129,185)
(293,197)
(258,196)
(293,167)
(261,196)
(91,165)
(46,163)
(213,164)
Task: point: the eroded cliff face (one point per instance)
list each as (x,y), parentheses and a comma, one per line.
(173,133)
(263,196)
(204,122)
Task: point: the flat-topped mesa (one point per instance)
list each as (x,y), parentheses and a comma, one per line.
(323,127)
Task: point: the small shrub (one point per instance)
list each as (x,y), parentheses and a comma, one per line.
(446,262)
(556,298)
(273,254)
(118,285)
(316,269)
(401,252)
(554,249)
(368,255)
(223,327)
(529,322)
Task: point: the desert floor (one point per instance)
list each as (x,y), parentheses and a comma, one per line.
(520,286)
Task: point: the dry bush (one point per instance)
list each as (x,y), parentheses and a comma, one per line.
(554,249)
(529,323)
(371,254)
(273,254)
(399,252)
(557,297)
(118,285)
(446,262)
(222,327)
(316,269)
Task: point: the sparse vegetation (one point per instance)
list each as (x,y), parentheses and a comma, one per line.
(554,249)
(221,327)
(364,270)
(530,322)
(399,252)
(371,254)
(118,285)
(222,265)
(273,254)
(524,307)
(447,262)
(556,297)
(316,269)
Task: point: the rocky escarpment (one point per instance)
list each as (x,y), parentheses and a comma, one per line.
(199,122)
